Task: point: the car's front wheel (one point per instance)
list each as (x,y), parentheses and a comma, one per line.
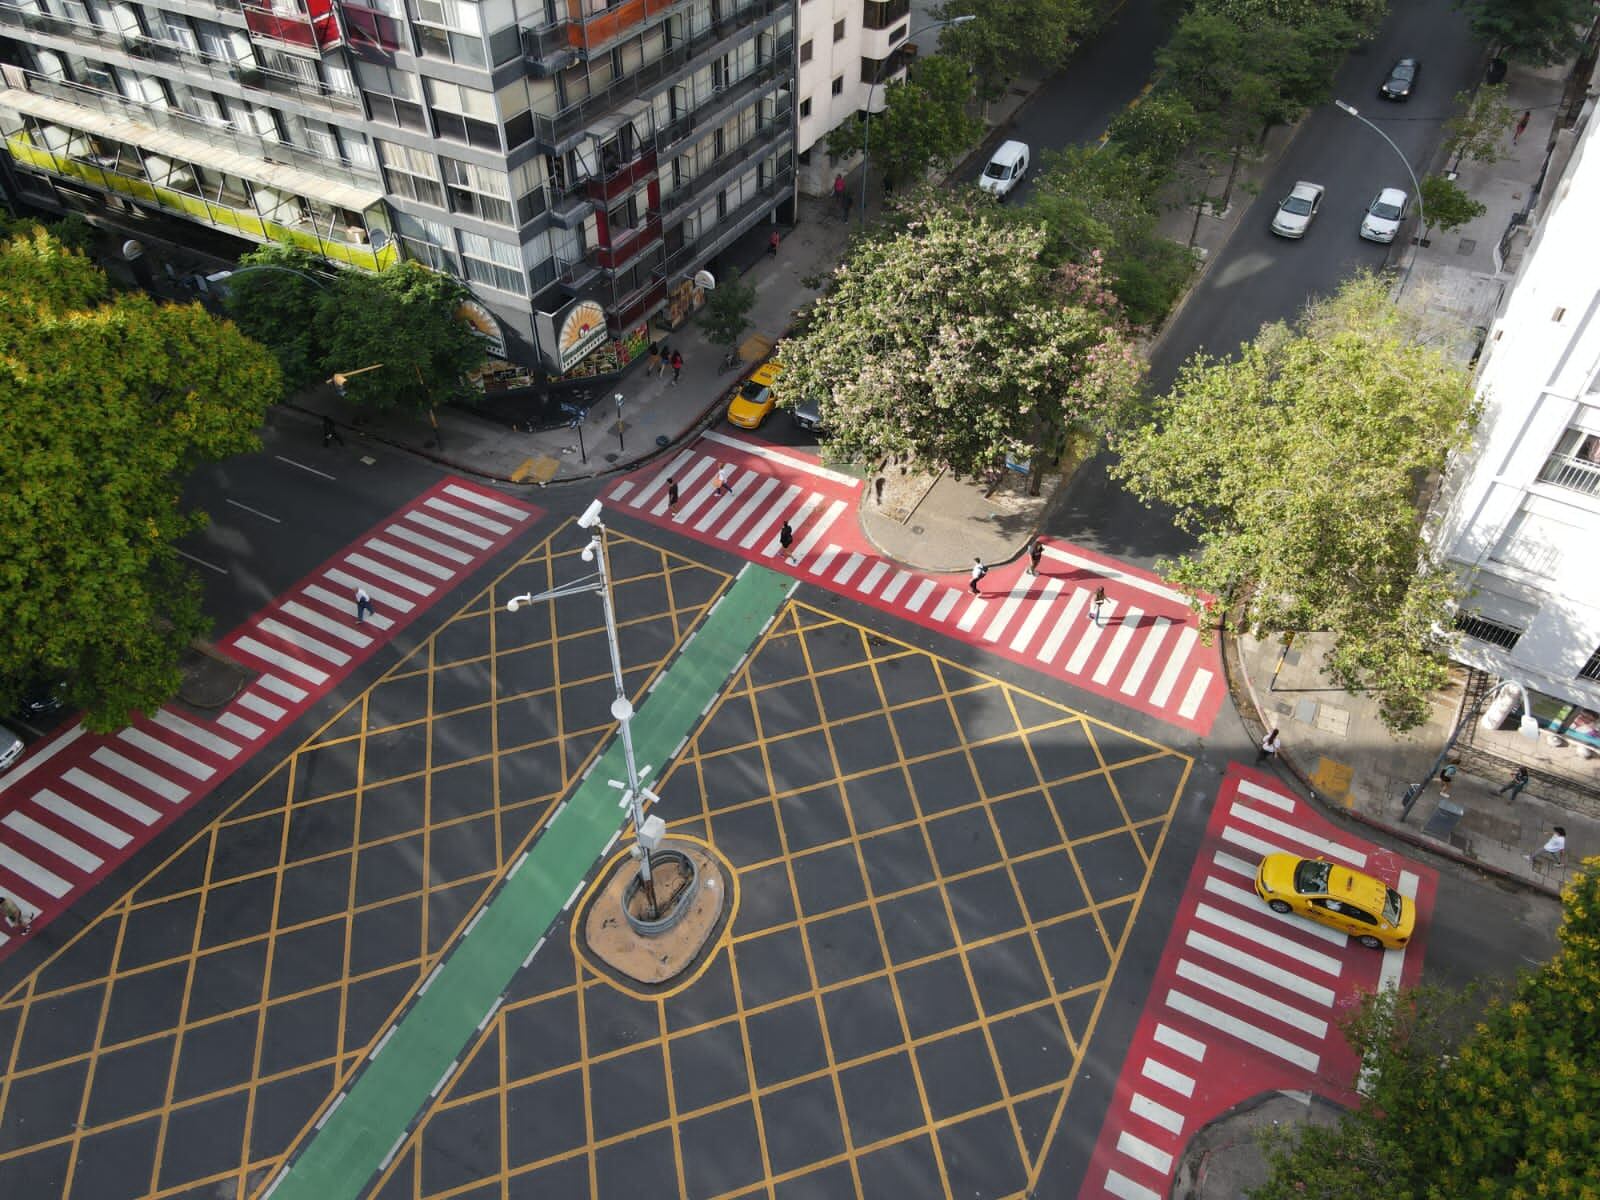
(1370,942)
(1280,906)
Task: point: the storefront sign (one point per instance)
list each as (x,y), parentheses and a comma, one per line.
(482,322)
(582,329)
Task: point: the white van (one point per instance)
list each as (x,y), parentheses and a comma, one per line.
(1005,169)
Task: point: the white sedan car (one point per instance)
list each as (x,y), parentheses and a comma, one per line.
(1385,215)
(1297,210)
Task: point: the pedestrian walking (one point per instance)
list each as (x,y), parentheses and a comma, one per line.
(363,604)
(978,572)
(785,541)
(773,243)
(1522,126)
(1268,750)
(677,367)
(15,916)
(1035,553)
(1099,600)
(330,433)
(672,495)
(653,363)
(841,195)
(1555,849)
(724,480)
(1447,777)
(1519,780)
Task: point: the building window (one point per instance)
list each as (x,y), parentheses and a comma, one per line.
(413,174)
(838,85)
(1591,669)
(1537,543)
(805,108)
(805,51)
(477,192)
(838,31)
(875,15)
(1575,463)
(1484,630)
(493,264)
(455,40)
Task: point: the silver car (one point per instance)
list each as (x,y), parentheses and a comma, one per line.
(1297,210)
(10,748)
(1385,215)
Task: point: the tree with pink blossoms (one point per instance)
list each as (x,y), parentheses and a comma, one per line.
(948,339)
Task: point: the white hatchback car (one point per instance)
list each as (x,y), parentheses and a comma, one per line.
(1385,215)
(1297,209)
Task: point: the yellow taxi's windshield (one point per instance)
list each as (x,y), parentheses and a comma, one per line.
(1311,878)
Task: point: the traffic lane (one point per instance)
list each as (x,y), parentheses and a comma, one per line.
(1485,928)
(277,513)
(1074,106)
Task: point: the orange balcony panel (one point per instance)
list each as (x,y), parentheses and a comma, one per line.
(629,243)
(596,29)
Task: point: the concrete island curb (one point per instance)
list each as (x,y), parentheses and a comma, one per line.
(1253,717)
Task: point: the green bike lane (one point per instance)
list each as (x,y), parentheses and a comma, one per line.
(366,1125)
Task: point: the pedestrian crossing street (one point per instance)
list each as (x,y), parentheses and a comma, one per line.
(79,804)
(1245,1000)
(1142,648)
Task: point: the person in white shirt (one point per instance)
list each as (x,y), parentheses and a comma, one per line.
(1555,849)
(1269,747)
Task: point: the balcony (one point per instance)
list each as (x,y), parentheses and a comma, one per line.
(586,34)
(1574,474)
(691,255)
(622,179)
(577,274)
(630,244)
(556,133)
(310,30)
(722,169)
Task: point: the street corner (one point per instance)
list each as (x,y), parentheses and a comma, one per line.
(1228,1157)
(1247,1000)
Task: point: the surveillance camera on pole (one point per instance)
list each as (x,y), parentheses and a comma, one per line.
(591,516)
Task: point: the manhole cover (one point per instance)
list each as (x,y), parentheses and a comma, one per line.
(1468,246)
(612,457)
(918,530)
(663,440)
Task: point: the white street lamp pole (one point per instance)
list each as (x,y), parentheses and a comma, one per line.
(1422,216)
(866,133)
(621,708)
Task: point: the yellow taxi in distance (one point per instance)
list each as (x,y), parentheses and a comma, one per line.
(753,401)
(1330,894)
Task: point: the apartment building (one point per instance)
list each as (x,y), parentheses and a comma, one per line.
(1519,517)
(575,162)
(846,48)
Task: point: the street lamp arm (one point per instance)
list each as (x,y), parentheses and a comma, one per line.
(1422,216)
(321,283)
(590,583)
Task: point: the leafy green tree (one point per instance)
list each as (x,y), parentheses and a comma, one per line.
(1252,12)
(1478,129)
(947,339)
(1462,1106)
(727,311)
(924,123)
(1446,206)
(1155,130)
(1296,467)
(106,403)
(1104,203)
(1540,32)
(1010,37)
(405,319)
(271,304)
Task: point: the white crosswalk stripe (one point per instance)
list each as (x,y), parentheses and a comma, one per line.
(303,641)
(62,848)
(74,814)
(149,780)
(193,733)
(431,545)
(93,785)
(170,755)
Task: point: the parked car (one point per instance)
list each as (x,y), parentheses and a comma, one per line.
(1297,210)
(1402,79)
(753,401)
(10,748)
(1334,895)
(808,415)
(1005,170)
(1385,215)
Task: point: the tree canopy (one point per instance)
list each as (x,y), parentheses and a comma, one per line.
(1540,32)
(924,122)
(106,403)
(1297,467)
(318,323)
(950,339)
(1479,127)
(1012,37)
(1446,205)
(1498,1108)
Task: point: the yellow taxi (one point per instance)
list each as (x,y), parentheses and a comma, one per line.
(1331,894)
(753,401)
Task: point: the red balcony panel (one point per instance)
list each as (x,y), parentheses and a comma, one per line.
(629,244)
(369,28)
(325,20)
(317,29)
(623,179)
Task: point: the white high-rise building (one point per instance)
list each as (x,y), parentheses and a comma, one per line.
(1519,517)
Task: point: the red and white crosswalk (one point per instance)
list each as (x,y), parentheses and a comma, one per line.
(1246,1000)
(79,804)
(1141,647)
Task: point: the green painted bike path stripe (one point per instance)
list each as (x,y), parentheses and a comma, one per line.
(363,1131)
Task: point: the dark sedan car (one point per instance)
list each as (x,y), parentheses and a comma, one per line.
(1402,79)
